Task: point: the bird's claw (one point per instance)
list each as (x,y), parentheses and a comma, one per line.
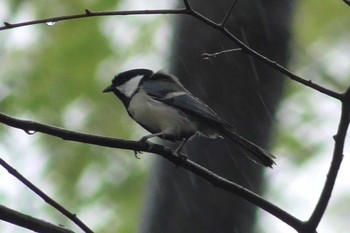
(137,152)
(145,141)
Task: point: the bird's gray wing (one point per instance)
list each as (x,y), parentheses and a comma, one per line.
(179,97)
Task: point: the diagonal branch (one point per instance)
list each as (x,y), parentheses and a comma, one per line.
(28,222)
(335,165)
(216,180)
(45,197)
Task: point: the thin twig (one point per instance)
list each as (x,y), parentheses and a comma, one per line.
(45,197)
(28,222)
(209,55)
(32,127)
(335,165)
(88,14)
(224,21)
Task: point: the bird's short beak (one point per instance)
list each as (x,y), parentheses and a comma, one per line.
(108,89)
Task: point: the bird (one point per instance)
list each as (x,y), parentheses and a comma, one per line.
(163,106)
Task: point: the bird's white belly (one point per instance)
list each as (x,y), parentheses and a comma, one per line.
(160,117)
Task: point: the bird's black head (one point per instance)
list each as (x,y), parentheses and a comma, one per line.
(125,84)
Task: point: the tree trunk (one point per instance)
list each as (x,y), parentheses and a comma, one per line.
(244,92)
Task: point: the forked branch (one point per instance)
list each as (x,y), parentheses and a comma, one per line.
(186,11)
(44,196)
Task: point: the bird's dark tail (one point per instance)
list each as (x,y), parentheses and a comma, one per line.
(259,155)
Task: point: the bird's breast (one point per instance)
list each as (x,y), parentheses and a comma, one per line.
(156,116)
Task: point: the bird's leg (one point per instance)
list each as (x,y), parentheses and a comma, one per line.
(137,152)
(177,151)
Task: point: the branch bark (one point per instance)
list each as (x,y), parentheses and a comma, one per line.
(45,197)
(29,222)
(335,165)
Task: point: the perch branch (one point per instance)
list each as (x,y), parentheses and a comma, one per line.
(217,181)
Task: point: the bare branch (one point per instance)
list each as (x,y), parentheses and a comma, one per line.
(89,14)
(335,165)
(45,197)
(224,21)
(29,222)
(217,181)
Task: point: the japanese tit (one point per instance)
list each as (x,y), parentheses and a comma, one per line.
(161,105)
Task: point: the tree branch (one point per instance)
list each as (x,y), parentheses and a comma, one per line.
(29,222)
(335,165)
(88,14)
(45,197)
(217,181)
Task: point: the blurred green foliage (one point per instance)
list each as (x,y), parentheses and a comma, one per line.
(315,21)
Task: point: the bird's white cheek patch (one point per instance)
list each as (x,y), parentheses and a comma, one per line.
(128,88)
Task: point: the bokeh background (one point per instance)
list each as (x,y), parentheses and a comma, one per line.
(55,74)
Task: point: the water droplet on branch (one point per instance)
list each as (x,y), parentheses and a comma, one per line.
(51,23)
(30,132)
